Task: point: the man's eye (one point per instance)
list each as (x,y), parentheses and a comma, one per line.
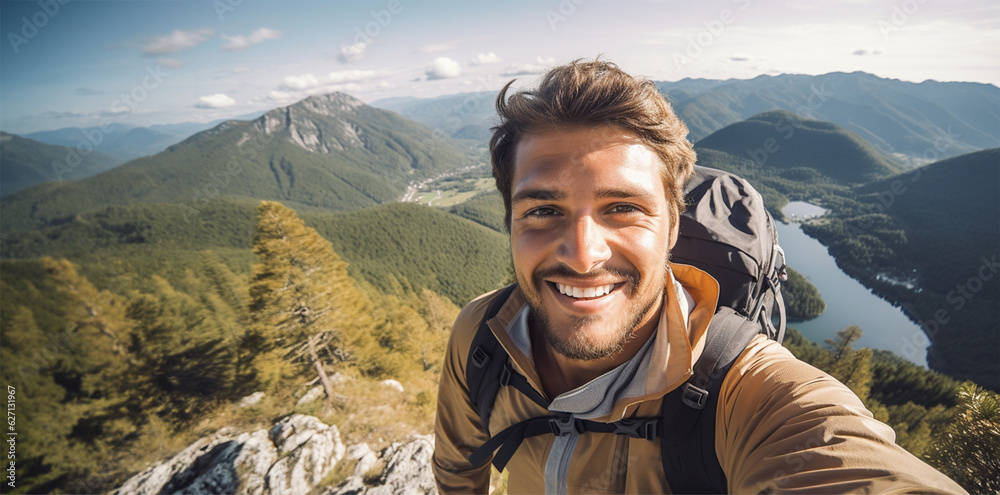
(623,209)
(541,212)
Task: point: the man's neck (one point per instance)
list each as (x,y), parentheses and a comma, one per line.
(560,374)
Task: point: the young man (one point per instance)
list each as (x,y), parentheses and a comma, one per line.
(591,168)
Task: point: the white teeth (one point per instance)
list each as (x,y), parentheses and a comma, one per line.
(588,292)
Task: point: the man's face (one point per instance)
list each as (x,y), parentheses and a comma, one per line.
(590,236)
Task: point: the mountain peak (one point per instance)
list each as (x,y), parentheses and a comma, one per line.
(319,123)
(329,104)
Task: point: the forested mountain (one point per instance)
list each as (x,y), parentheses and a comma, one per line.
(936,228)
(330,151)
(915,122)
(790,144)
(26,162)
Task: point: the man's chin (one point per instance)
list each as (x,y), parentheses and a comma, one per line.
(586,341)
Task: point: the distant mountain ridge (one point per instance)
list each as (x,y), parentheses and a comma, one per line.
(916,122)
(785,141)
(25,162)
(328,152)
(123,141)
(126,141)
(923,121)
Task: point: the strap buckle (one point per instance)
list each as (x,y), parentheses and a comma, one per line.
(637,428)
(505,374)
(694,397)
(568,425)
(480,357)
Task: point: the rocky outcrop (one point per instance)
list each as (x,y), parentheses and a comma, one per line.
(407,469)
(292,457)
(320,123)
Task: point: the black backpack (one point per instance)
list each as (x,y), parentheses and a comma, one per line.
(725,231)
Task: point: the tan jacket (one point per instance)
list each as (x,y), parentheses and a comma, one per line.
(781,424)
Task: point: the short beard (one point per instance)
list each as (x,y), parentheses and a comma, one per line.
(576,348)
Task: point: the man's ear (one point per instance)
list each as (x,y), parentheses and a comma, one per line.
(675,226)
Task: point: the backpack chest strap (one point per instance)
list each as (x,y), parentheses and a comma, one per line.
(508,440)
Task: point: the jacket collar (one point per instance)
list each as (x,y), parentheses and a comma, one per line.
(666,362)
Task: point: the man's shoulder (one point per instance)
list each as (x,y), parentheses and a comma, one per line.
(472,313)
(468,320)
(767,371)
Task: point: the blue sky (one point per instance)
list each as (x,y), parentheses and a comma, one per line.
(79,63)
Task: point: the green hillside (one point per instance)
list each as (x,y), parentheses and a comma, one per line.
(26,162)
(393,246)
(484,208)
(330,152)
(786,142)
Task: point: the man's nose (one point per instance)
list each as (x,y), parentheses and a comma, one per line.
(584,245)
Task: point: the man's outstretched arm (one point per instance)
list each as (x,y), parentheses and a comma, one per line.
(785,426)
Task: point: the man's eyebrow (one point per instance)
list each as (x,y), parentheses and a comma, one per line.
(621,193)
(538,195)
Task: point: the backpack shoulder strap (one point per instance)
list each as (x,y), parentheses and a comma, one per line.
(487,360)
(688,444)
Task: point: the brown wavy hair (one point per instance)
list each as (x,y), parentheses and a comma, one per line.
(592,94)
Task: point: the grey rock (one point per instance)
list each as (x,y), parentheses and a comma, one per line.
(407,469)
(313,394)
(291,458)
(393,384)
(251,399)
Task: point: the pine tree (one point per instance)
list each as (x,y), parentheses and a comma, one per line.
(301,298)
(969,450)
(179,359)
(852,367)
(29,357)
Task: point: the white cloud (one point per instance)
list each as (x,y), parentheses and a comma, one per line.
(352,53)
(308,84)
(305,81)
(240,70)
(346,76)
(171,62)
(218,100)
(485,58)
(278,95)
(176,41)
(241,42)
(540,65)
(444,68)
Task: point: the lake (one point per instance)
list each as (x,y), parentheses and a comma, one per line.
(848,302)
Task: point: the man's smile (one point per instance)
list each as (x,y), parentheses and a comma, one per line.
(585,292)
